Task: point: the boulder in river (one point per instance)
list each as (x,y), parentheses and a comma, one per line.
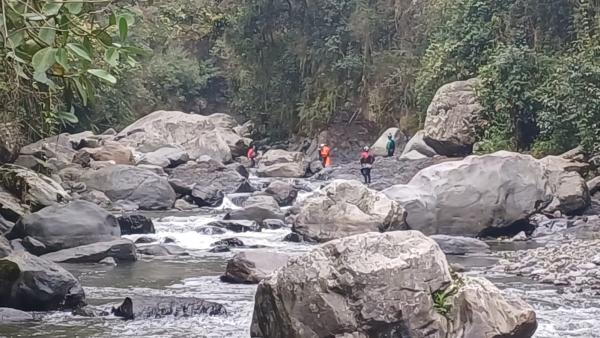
(33,190)
(161,250)
(395,284)
(570,191)
(135,224)
(344,208)
(454,119)
(31,283)
(281,163)
(66,226)
(197,134)
(463,198)
(5,247)
(121,250)
(229,242)
(8,315)
(122,182)
(458,245)
(257,208)
(160,307)
(231,225)
(283,192)
(251,267)
(168,156)
(109,151)
(5,225)
(207,181)
(417,144)
(379,147)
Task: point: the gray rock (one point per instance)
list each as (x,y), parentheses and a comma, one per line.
(521,236)
(231,225)
(109,151)
(108,261)
(570,191)
(122,250)
(167,156)
(458,245)
(120,182)
(183,205)
(345,208)
(160,307)
(343,288)
(453,119)
(135,224)
(229,242)
(464,198)
(97,197)
(281,163)
(593,185)
(5,225)
(210,230)
(284,193)
(11,208)
(34,284)
(413,155)
(145,240)
(31,189)
(5,247)
(379,147)
(207,181)
(34,246)
(257,208)
(59,147)
(162,250)
(197,135)
(63,227)
(8,315)
(273,224)
(251,267)
(153,169)
(315,167)
(417,144)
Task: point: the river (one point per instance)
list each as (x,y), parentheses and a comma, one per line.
(197,275)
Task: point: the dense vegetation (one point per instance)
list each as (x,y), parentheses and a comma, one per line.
(294,66)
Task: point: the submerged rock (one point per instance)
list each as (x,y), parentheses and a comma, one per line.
(229,242)
(251,267)
(383,285)
(257,208)
(34,284)
(160,307)
(8,315)
(162,250)
(122,250)
(66,226)
(235,226)
(458,245)
(345,208)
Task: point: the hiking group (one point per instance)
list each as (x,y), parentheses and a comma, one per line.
(366,158)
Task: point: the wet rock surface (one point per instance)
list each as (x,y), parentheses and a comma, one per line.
(159,307)
(251,267)
(121,250)
(135,224)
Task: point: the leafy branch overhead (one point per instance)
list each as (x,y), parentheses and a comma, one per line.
(66,46)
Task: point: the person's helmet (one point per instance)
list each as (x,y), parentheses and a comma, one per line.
(390,135)
(366,148)
(322,145)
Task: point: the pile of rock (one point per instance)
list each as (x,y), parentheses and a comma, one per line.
(575,264)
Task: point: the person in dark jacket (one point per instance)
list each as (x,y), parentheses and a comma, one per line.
(366,163)
(390,145)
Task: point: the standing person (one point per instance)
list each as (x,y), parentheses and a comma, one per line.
(252,155)
(390,146)
(325,154)
(366,163)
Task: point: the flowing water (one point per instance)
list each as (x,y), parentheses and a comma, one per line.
(559,314)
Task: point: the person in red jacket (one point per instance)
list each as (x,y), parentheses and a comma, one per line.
(366,163)
(252,155)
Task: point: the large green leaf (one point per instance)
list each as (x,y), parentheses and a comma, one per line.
(62,58)
(74,7)
(67,117)
(103,36)
(42,77)
(81,90)
(43,59)
(123,28)
(51,8)
(80,50)
(15,39)
(104,75)
(48,32)
(111,55)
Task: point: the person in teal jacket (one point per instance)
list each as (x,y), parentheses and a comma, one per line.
(390,146)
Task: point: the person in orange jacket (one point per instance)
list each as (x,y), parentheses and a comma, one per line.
(325,154)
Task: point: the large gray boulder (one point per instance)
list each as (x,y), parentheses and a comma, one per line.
(167,156)
(417,144)
(66,226)
(379,147)
(142,187)
(459,245)
(207,181)
(570,190)
(10,206)
(108,151)
(198,135)
(383,285)
(257,208)
(31,283)
(463,198)
(283,192)
(344,208)
(121,250)
(281,163)
(454,119)
(8,315)
(33,191)
(251,267)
